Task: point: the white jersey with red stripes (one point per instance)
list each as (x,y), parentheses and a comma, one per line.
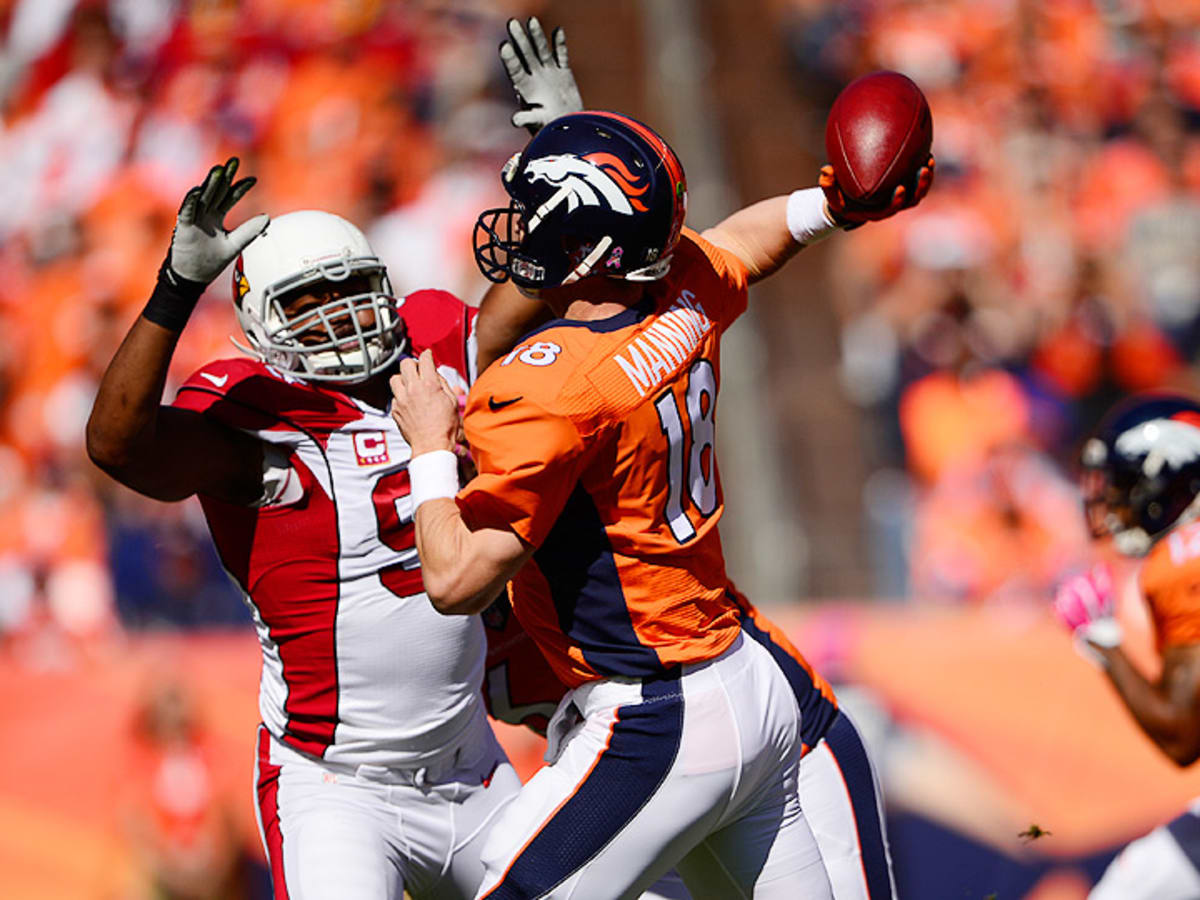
(358,667)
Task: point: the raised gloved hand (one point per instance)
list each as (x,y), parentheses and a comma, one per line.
(541,77)
(1086,603)
(201,248)
(851,216)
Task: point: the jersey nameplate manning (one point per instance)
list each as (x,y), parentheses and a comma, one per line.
(370,448)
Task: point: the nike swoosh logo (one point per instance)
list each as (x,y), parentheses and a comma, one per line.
(495,405)
(219,381)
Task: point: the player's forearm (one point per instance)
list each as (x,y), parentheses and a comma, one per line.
(160,451)
(765,235)
(121,428)
(1173,726)
(463,570)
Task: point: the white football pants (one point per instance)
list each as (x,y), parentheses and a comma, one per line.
(1163,865)
(338,832)
(699,770)
(842,801)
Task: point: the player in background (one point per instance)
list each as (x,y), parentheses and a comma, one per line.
(376,769)
(598,494)
(1141,483)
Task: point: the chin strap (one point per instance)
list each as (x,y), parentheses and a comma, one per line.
(589,262)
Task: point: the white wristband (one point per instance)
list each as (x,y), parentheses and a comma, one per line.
(1105,632)
(433,475)
(807,219)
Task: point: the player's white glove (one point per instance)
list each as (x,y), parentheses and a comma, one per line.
(201,248)
(1086,603)
(541,77)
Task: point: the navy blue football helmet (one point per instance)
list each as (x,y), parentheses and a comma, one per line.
(594,193)
(1141,470)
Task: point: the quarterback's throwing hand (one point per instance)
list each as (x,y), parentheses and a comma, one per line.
(851,216)
(540,75)
(424,406)
(1086,604)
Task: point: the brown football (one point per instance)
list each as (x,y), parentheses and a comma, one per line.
(878,136)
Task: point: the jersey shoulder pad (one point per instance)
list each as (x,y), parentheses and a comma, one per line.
(712,278)
(537,368)
(223,375)
(1173,560)
(251,396)
(694,250)
(1170,582)
(439,321)
(556,368)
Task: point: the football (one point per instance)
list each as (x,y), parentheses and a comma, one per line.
(878,136)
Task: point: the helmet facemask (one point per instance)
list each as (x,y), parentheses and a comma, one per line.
(1108,505)
(348,330)
(499,234)
(503,245)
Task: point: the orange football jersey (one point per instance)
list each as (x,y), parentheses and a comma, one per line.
(1170,580)
(595,443)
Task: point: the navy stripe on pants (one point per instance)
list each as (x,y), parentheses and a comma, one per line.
(816,712)
(1186,831)
(851,756)
(641,750)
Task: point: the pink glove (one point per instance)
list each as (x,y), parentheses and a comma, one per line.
(1086,604)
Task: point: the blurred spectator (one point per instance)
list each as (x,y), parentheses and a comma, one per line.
(1005,530)
(954,417)
(176,811)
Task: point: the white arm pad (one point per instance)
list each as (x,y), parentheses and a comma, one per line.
(807,218)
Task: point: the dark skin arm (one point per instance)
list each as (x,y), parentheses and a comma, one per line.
(163,452)
(1167,711)
(167,453)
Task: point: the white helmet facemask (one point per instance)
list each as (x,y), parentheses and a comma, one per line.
(348,338)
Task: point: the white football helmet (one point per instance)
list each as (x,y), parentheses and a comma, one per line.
(348,338)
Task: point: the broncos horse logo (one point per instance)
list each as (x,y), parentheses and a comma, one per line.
(1174,441)
(598,179)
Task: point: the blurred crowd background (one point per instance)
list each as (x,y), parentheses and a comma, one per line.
(1053,269)
(394,115)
